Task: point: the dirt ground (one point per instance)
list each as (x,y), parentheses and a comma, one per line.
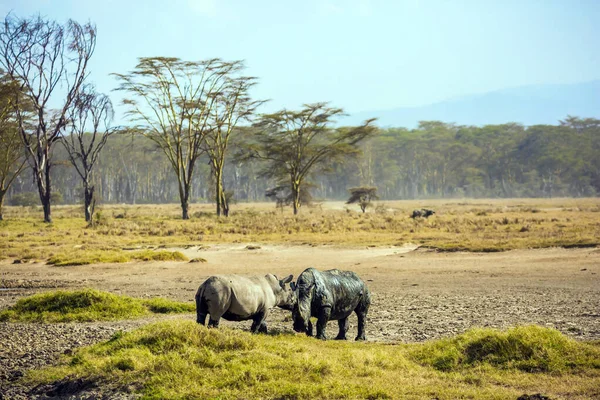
(416,294)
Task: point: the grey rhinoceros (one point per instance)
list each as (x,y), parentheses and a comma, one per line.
(330,295)
(240,298)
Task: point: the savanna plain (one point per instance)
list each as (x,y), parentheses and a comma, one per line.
(487,299)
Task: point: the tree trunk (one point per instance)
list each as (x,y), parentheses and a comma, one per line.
(185,205)
(89,202)
(218,190)
(296,197)
(45,195)
(47,209)
(225,204)
(2,193)
(185,201)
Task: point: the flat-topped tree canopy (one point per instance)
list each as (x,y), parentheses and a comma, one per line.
(296,144)
(177,104)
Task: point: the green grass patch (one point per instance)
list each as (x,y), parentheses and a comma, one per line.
(181,359)
(164,306)
(87,305)
(529,348)
(94,257)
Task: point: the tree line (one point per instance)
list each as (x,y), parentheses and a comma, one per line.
(195,134)
(435,160)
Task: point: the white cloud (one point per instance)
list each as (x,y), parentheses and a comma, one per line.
(207,8)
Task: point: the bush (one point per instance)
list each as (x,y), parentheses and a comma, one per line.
(56,198)
(26,199)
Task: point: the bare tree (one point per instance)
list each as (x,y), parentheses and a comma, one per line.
(172,101)
(88,131)
(12,156)
(363,196)
(298,143)
(50,62)
(232,106)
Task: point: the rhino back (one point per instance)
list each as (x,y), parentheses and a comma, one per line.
(247,295)
(347,290)
(342,290)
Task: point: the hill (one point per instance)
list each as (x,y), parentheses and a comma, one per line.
(528,105)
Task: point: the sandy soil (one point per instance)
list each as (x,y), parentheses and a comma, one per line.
(417,295)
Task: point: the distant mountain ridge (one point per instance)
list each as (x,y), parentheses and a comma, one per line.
(528,105)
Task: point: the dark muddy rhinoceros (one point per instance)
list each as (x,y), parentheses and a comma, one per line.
(330,295)
(240,298)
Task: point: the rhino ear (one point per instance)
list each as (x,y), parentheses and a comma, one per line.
(287,279)
(293,285)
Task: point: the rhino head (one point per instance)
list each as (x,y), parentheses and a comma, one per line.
(286,297)
(302,308)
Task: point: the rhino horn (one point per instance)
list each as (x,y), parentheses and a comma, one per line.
(286,280)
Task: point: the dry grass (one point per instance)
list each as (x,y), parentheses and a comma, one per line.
(123,233)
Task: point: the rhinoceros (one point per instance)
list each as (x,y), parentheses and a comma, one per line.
(240,298)
(330,295)
(422,213)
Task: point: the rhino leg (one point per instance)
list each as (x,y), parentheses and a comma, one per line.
(213,323)
(258,322)
(343,324)
(201,308)
(362,321)
(262,328)
(324,314)
(309,329)
(361,313)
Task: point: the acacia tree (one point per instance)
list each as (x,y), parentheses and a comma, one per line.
(12,156)
(89,129)
(296,144)
(363,196)
(50,62)
(172,101)
(232,106)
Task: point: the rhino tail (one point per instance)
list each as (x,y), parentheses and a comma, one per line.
(201,303)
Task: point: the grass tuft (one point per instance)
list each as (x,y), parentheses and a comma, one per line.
(528,348)
(181,359)
(112,256)
(85,306)
(164,306)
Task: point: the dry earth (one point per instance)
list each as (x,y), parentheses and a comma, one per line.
(417,295)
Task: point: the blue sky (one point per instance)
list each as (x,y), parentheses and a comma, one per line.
(357,54)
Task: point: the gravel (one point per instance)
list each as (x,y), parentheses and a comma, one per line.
(415,298)
(32,346)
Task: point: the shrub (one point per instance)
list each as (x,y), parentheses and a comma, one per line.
(26,199)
